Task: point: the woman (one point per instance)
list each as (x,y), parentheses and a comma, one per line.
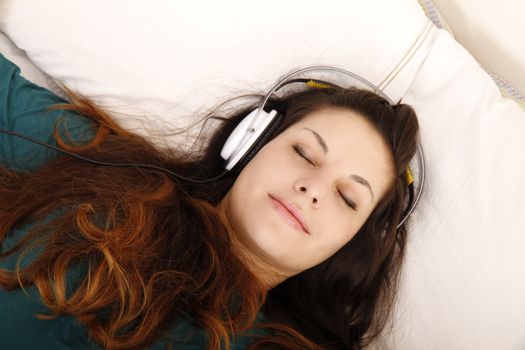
(130,258)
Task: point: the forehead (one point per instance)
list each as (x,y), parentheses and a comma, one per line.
(339,125)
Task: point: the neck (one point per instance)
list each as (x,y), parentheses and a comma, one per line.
(265,272)
(268,275)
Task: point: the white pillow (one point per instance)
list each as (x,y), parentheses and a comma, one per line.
(463,279)
(493,32)
(175,60)
(506,62)
(27,68)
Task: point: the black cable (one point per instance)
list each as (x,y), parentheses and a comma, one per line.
(113,164)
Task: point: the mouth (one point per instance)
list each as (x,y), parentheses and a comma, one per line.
(289,213)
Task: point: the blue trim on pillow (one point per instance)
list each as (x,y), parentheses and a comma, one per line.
(431,12)
(504,86)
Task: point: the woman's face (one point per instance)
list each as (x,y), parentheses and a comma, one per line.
(329,155)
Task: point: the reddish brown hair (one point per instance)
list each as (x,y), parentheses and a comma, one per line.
(155,250)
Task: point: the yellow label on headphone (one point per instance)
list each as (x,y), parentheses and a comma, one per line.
(317,85)
(410,176)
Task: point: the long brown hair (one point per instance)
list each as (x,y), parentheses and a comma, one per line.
(155,250)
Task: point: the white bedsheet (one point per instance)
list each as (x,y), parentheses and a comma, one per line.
(463,282)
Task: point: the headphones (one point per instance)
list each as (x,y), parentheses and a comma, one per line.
(254,131)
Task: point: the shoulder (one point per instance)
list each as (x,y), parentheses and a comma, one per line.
(20,329)
(185,336)
(23,110)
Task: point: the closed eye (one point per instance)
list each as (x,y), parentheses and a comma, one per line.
(348,201)
(300,152)
(345,199)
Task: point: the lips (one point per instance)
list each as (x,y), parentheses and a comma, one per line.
(293,211)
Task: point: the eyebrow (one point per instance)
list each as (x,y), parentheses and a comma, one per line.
(359,179)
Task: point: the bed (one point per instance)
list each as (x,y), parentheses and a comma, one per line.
(463,282)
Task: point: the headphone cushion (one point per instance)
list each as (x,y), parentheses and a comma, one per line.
(263,140)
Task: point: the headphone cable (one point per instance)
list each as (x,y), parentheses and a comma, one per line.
(112,164)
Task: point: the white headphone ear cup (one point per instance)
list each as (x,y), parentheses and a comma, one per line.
(261,141)
(245,135)
(233,141)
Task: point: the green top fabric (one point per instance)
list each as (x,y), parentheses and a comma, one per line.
(22,109)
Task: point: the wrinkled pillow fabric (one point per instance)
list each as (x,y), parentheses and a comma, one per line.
(172,61)
(462,285)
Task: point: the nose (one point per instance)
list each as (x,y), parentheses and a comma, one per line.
(313,188)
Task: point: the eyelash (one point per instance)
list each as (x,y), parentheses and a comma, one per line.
(300,152)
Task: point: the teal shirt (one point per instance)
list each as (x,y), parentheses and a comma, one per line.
(22,109)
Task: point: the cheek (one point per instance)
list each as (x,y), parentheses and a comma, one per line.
(341,227)
(248,190)
(264,169)
(348,235)
(253,178)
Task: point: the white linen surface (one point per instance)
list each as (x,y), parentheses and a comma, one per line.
(174,61)
(464,277)
(463,282)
